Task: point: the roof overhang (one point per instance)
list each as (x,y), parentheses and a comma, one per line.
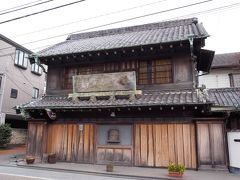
(224,109)
(204,60)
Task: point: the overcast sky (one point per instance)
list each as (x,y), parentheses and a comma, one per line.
(222,25)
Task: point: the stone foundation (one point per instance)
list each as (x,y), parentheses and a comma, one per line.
(19,136)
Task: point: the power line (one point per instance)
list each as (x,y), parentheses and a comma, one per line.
(22,72)
(39,12)
(26,7)
(17,85)
(90,18)
(200,12)
(212,10)
(11,55)
(19,6)
(120,21)
(197,13)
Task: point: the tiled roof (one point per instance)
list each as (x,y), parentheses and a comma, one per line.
(155,33)
(226,60)
(225,96)
(151,98)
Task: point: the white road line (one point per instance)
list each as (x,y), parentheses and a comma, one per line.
(33,177)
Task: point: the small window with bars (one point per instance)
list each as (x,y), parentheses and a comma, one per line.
(35,93)
(147,72)
(14,93)
(155,72)
(234,79)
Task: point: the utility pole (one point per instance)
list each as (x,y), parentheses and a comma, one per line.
(2,85)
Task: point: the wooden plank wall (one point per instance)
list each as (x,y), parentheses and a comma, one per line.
(211,143)
(116,155)
(35,141)
(71,144)
(159,144)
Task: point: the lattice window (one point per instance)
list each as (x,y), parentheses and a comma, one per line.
(162,72)
(143,75)
(234,80)
(147,72)
(69,72)
(155,72)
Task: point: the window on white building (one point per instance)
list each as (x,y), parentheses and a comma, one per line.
(35,93)
(234,79)
(14,93)
(36,69)
(21,59)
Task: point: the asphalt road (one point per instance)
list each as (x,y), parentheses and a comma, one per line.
(17,173)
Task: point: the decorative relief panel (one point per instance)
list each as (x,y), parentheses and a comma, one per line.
(121,81)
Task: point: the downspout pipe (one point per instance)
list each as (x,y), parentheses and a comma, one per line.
(2,89)
(35,59)
(194,60)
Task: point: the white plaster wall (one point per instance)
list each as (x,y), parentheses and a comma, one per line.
(17,78)
(217,78)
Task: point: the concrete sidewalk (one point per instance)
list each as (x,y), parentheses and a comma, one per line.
(134,172)
(122,171)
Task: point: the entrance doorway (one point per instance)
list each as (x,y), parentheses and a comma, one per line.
(211,145)
(114,144)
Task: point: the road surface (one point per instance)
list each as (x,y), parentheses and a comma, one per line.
(19,173)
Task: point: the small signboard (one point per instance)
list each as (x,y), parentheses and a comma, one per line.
(121,81)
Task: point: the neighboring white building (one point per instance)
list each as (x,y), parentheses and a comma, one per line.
(225,72)
(20,82)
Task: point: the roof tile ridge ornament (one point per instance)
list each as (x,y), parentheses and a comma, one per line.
(202,94)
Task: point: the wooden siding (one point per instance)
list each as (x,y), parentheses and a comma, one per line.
(117,155)
(160,144)
(158,71)
(211,144)
(70,143)
(36,136)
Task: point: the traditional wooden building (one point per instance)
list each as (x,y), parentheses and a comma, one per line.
(226,101)
(128,96)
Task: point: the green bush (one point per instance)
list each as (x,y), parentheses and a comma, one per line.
(176,168)
(5,134)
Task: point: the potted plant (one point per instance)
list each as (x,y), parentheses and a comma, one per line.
(175,170)
(30,159)
(52,158)
(109,167)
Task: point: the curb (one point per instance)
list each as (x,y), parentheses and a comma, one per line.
(109,174)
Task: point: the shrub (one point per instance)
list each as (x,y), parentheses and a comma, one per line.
(5,134)
(176,168)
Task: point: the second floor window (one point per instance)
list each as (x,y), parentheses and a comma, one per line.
(21,59)
(35,93)
(155,72)
(148,72)
(36,69)
(234,80)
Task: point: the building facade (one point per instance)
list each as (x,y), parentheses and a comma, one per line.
(223,84)
(20,81)
(225,72)
(129,96)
